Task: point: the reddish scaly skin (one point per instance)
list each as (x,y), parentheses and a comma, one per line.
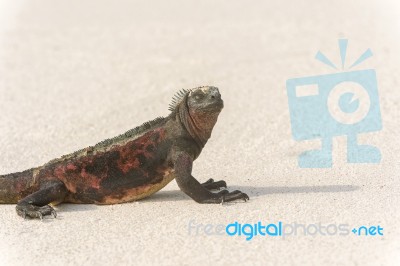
(95,178)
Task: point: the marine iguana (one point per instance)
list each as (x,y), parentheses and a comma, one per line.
(129,167)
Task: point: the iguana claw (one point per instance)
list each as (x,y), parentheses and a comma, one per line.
(235,195)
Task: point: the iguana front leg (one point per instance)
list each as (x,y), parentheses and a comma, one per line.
(36,204)
(183,163)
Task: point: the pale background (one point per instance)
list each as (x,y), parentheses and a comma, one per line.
(73,73)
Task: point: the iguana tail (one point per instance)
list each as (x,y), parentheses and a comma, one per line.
(16,186)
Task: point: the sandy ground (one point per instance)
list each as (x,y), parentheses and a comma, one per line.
(73,73)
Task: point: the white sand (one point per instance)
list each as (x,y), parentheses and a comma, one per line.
(73,73)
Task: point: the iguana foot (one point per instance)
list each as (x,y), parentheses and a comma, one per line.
(35,205)
(226,196)
(234,195)
(223,195)
(32,211)
(210,184)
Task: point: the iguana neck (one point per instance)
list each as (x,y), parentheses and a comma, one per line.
(195,126)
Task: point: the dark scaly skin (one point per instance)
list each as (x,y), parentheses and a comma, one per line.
(129,167)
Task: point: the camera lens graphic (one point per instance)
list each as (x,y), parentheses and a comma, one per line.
(348,103)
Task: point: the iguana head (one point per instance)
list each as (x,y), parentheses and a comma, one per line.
(204,100)
(198,110)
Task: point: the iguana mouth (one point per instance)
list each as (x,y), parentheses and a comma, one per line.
(217,105)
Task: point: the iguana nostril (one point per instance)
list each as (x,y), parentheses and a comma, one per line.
(212,97)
